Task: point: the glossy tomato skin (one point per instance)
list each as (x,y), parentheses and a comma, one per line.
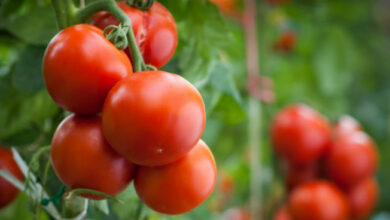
(351,159)
(82,158)
(282,214)
(155,31)
(299,134)
(363,198)
(80,66)
(153,118)
(180,186)
(345,126)
(319,200)
(7,191)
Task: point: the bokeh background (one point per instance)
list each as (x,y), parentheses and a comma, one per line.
(338,63)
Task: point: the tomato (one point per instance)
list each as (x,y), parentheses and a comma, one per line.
(286,41)
(282,214)
(363,198)
(80,66)
(226,184)
(346,125)
(228,7)
(299,134)
(155,31)
(153,118)
(82,158)
(236,214)
(351,159)
(319,200)
(180,186)
(8,192)
(297,175)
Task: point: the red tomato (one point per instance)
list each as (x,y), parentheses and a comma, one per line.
(155,31)
(228,7)
(226,183)
(299,134)
(318,200)
(297,175)
(351,159)
(236,214)
(286,41)
(82,158)
(346,125)
(8,192)
(80,66)
(180,186)
(363,198)
(282,214)
(153,118)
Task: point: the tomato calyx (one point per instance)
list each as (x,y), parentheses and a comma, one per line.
(143,5)
(117,35)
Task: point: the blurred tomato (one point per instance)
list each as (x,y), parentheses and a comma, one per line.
(282,214)
(363,198)
(318,200)
(8,191)
(228,7)
(299,134)
(286,41)
(346,125)
(226,183)
(351,159)
(297,175)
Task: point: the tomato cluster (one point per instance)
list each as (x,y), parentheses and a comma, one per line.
(128,126)
(329,170)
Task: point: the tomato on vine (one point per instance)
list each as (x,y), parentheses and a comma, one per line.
(8,191)
(82,158)
(153,118)
(351,159)
(155,31)
(80,66)
(299,134)
(179,186)
(318,200)
(286,41)
(363,198)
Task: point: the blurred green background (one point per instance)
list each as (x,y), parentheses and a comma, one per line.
(339,64)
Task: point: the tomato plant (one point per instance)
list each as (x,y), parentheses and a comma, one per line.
(8,192)
(318,200)
(351,159)
(180,186)
(154,30)
(75,68)
(153,118)
(299,134)
(82,158)
(363,198)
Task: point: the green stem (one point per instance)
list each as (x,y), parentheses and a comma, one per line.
(78,191)
(64,11)
(109,5)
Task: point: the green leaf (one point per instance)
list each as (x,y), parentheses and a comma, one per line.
(229,111)
(27,73)
(8,54)
(101,206)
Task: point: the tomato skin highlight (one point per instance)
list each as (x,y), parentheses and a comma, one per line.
(8,192)
(346,125)
(319,200)
(155,31)
(80,66)
(153,118)
(82,158)
(351,159)
(299,134)
(363,198)
(180,186)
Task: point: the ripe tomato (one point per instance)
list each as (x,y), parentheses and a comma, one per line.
(80,66)
(8,192)
(299,134)
(286,42)
(346,125)
(282,214)
(351,159)
(363,198)
(153,118)
(180,186)
(155,31)
(228,7)
(82,158)
(318,200)
(297,175)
